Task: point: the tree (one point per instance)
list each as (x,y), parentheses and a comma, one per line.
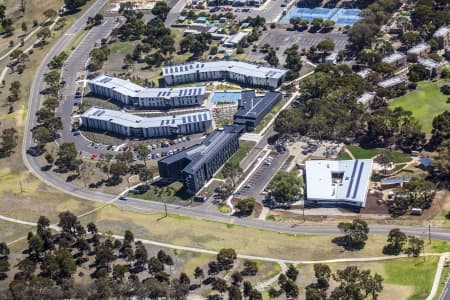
(420,192)
(213,268)
(418,72)
(410,38)
(247,288)
(231,170)
(441,161)
(42,136)
(286,187)
(68,221)
(161,10)
(44,33)
(236,278)
(272,58)
(50,13)
(234,293)
(250,268)
(326,45)
(198,273)
(4,250)
(317,22)
(291,289)
(8,141)
(362,34)
(356,234)
(322,273)
(74,4)
(119,272)
(155,265)
(292,273)
(67,157)
(128,236)
(219,285)
(246,206)
(441,128)
(142,152)
(92,228)
(385,158)
(396,240)
(184,279)
(226,258)
(140,254)
(35,246)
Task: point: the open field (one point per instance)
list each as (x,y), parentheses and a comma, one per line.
(425,102)
(11,231)
(204,234)
(363,153)
(404,278)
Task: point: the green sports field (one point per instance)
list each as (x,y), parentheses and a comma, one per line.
(425,102)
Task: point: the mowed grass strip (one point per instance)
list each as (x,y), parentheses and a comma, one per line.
(362,153)
(425,102)
(194,232)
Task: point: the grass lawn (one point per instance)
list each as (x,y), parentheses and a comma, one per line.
(123,48)
(12,231)
(343,156)
(361,153)
(404,278)
(169,193)
(425,102)
(201,233)
(399,157)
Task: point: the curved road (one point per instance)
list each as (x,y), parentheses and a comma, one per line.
(34,165)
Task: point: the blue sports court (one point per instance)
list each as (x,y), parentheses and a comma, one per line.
(225,97)
(340,16)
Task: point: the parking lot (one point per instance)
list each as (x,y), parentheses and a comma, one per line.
(263,174)
(283,38)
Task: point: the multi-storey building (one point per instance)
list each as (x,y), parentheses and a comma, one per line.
(197,164)
(129,125)
(241,72)
(397,60)
(442,35)
(418,51)
(130,94)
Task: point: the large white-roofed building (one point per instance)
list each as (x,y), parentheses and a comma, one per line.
(241,72)
(131,94)
(128,125)
(338,182)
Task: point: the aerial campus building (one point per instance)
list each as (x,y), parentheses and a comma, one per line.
(128,125)
(130,94)
(338,182)
(252,109)
(197,164)
(237,71)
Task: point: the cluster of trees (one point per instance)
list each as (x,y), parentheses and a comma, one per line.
(317,24)
(328,108)
(286,285)
(417,193)
(161,10)
(18,60)
(355,236)
(8,141)
(119,268)
(258,24)
(365,31)
(196,44)
(352,283)
(49,123)
(427,16)
(94,21)
(440,141)
(245,206)
(74,4)
(418,72)
(397,242)
(7,23)
(319,52)
(293,62)
(97,57)
(286,187)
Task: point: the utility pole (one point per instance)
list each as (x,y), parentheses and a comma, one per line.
(165,207)
(20,184)
(429,230)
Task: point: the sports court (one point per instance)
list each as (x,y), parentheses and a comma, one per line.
(340,16)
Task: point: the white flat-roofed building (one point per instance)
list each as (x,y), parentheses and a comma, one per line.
(391,82)
(128,93)
(332,58)
(242,72)
(235,39)
(338,182)
(366,98)
(129,125)
(396,59)
(434,67)
(364,73)
(442,35)
(417,51)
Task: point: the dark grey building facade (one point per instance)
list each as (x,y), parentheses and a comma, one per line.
(197,164)
(252,109)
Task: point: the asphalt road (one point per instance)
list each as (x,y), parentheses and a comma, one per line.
(52,179)
(446,292)
(74,64)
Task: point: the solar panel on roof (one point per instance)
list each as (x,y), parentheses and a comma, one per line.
(185,68)
(167,122)
(200,117)
(173,121)
(180,92)
(162,122)
(190,92)
(191,66)
(184,120)
(195,118)
(171,70)
(199,91)
(206,117)
(189,119)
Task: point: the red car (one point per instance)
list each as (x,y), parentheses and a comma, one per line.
(93,156)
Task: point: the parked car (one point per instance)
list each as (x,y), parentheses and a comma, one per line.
(33,151)
(123,197)
(76,133)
